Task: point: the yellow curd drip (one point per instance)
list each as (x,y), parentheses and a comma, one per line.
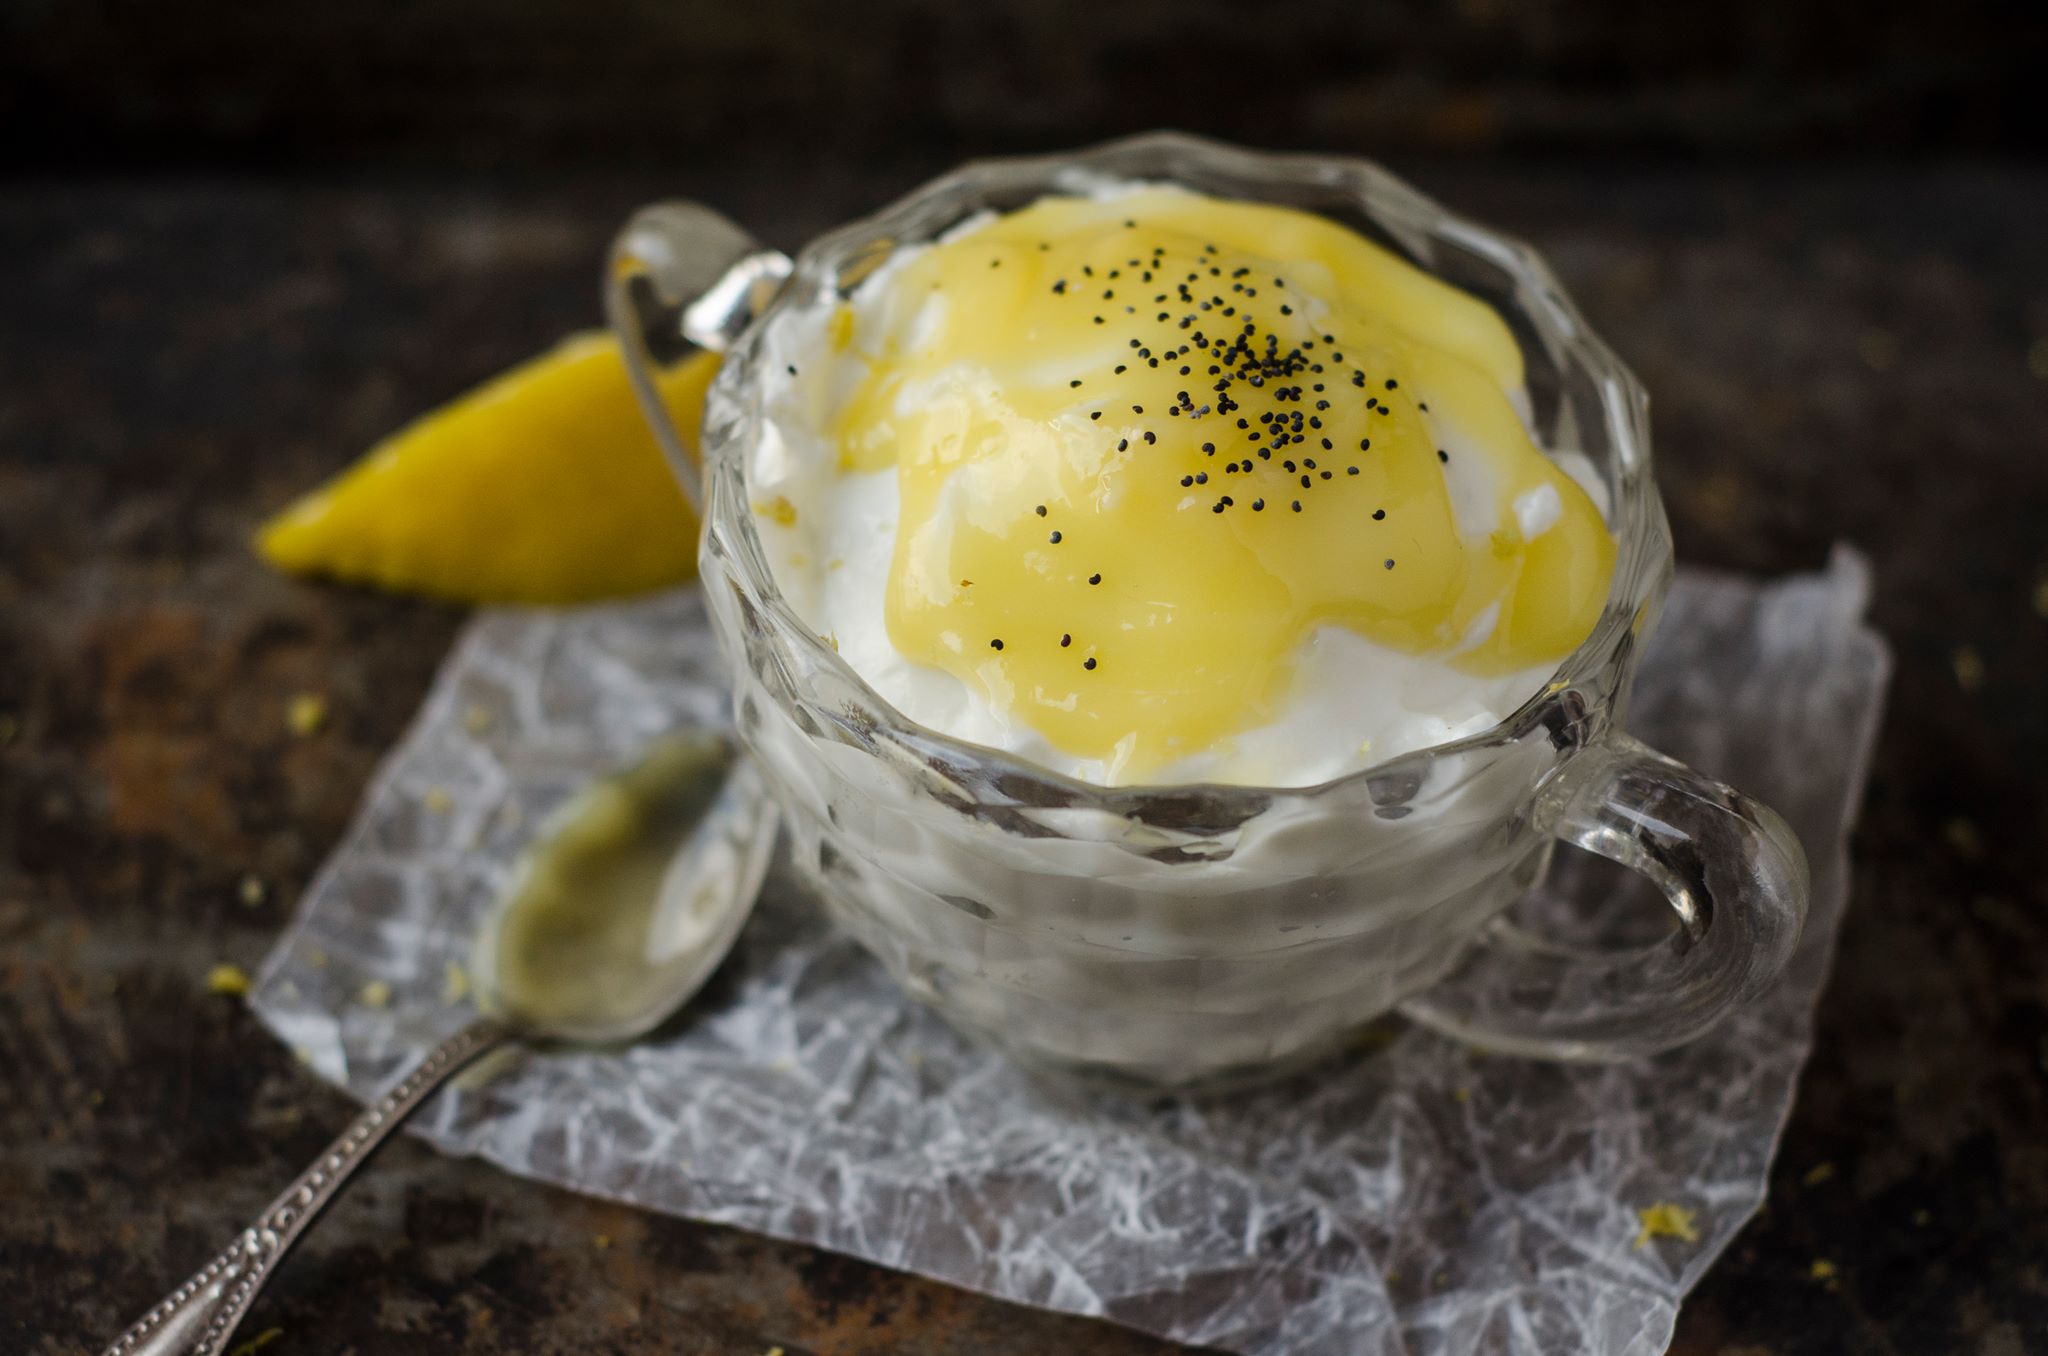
(1146,445)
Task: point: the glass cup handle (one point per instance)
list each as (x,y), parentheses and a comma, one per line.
(1733,872)
(682,278)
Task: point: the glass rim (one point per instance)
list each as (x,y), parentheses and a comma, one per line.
(1636,516)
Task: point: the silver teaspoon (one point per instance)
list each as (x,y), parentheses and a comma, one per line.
(611,923)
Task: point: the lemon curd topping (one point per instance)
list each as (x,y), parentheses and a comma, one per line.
(1147,445)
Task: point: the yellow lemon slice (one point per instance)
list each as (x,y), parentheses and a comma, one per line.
(543,485)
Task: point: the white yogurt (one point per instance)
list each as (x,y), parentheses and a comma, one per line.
(1352,703)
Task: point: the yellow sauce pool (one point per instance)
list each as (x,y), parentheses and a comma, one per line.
(1145,445)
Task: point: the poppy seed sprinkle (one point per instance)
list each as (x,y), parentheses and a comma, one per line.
(1003,431)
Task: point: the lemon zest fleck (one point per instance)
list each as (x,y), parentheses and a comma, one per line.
(1969,668)
(306,714)
(229,980)
(1663,1219)
(258,1342)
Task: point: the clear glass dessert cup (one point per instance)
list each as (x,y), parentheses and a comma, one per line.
(1194,934)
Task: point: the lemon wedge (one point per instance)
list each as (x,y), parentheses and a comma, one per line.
(543,485)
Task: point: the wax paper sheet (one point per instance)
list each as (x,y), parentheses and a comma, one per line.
(1416,1196)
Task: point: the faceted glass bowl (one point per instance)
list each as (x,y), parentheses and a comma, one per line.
(1186,934)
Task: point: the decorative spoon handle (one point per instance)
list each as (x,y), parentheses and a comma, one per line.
(199,1317)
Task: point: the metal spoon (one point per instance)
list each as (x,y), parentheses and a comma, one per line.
(611,924)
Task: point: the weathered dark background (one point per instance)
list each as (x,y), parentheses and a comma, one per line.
(494,85)
(239,242)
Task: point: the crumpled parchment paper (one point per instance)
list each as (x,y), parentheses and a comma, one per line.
(1416,1197)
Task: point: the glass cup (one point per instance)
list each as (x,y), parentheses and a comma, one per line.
(1195,934)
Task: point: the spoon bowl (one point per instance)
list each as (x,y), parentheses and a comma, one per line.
(631,896)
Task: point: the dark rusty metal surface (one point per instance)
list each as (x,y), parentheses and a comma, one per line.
(438,82)
(1839,354)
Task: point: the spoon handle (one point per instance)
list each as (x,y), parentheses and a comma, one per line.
(199,1317)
